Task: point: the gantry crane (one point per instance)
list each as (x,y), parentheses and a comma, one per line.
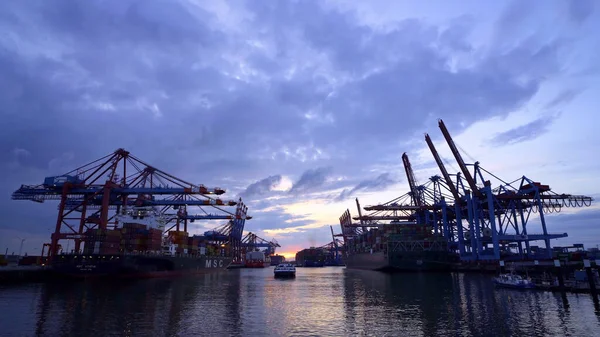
(251,242)
(499,216)
(335,250)
(423,206)
(478,221)
(95,194)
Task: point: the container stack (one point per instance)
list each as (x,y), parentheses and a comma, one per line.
(29,260)
(105,242)
(277,259)
(409,232)
(154,241)
(180,240)
(211,250)
(193,245)
(371,239)
(310,257)
(134,237)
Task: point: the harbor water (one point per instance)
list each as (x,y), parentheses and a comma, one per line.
(329,301)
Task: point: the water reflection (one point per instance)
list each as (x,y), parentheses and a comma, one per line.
(458,304)
(320,301)
(148,307)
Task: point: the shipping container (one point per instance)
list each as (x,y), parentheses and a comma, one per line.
(310,257)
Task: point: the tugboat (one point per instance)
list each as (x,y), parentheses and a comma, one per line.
(285,270)
(513,281)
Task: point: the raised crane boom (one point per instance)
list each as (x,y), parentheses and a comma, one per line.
(459,160)
(442,168)
(412,182)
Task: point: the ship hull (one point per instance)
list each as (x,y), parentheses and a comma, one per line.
(423,261)
(309,264)
(514,286)
(368,261)
(284,274)
(258,264)
(402,261)
(135,266)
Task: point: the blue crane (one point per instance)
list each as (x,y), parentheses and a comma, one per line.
(252,242)
(478,221)
(499,216)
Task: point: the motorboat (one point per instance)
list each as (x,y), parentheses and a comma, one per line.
(285,270)
(513,281)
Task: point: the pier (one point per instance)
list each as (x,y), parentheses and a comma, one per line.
(23,274)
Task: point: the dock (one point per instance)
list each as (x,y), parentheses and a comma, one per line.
(23,274)
(559,276)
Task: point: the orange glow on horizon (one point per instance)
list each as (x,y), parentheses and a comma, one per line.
(288,255)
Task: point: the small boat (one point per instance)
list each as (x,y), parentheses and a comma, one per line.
(513,281)
(285,270)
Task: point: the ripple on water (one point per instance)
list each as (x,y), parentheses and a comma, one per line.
(330,301)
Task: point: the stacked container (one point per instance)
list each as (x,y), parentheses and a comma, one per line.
(409,232)
(310,257)
(154,241)
(210,250)
(193,245)
(134,237)
(105,242)
(180,240)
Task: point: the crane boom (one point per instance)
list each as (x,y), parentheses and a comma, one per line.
(440,164)
(459,160)
(412,182)
(360,213)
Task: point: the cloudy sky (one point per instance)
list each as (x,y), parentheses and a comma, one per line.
(299,106)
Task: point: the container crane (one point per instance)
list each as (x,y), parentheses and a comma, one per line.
(92,196)
(333,256)
(335,249)
(412,182)
(478,221)
(424,207)
(499,216)
(460,206)
(252,241)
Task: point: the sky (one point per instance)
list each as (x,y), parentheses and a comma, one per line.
(299,107)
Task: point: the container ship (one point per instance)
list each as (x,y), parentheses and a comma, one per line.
(400,247)
(140,249)
(311,257)
(257,260)
(277,259)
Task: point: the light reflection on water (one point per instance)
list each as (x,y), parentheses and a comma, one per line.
(329,301)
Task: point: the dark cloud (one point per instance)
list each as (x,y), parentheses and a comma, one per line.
(379,183)
(291,87)
(579,224)
(213,113)
(276,217)
(261,187)
(86,101)
(577,220)
(310,180)
(563,97)
(580,10)
(525,132)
